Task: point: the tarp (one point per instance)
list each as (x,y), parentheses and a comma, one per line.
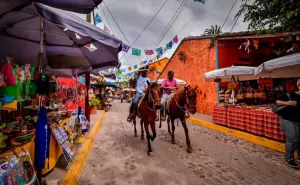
(243,73)
(78,6)
(67,40)
(69,82)
(283,67)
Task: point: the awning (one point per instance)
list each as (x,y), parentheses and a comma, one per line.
(225,74)
(283,67)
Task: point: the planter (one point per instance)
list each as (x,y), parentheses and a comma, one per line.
(100,107)
(93,110)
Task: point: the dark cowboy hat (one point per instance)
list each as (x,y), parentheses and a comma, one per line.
(171,73)
(142,69)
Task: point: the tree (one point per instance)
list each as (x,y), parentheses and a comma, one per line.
(214,30)
(271,15)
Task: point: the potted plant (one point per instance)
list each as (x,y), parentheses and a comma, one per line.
(94,103)
(100,106)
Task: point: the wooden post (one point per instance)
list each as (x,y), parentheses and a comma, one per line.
(87,106)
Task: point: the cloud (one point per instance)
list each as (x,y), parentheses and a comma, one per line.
(133,15)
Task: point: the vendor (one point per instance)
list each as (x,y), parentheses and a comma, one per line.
(290,124)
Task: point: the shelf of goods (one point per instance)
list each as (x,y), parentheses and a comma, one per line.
(255,121)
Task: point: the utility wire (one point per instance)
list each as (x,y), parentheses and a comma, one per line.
(147,26)
(107,20)
(228,14)
(237,19)
(168,25)
(172,21)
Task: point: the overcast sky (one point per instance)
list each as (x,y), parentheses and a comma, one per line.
(133,16)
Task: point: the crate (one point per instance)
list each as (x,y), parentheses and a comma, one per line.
(220,115)
(272,126)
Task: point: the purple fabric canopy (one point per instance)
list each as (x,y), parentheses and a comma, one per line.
(79,6)
(66,37)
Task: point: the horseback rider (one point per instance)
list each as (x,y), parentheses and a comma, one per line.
(141,86)
(168,85)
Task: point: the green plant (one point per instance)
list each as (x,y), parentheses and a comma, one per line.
(95,102)
(214,30)
(271,15)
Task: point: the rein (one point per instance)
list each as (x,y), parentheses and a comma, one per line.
(187,102)
(151,100)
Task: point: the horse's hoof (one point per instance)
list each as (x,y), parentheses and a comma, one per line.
(173,141)
(135,135)
(189,149)
(150,154)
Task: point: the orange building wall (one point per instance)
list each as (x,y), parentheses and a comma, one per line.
(199,58)
(159,65)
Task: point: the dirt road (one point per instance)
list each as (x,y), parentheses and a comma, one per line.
(119,158)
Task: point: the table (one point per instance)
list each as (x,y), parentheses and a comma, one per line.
(263,123)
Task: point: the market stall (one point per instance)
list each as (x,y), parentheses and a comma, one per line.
(246,98)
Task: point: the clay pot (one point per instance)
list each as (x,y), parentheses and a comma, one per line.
(100,107)
(93,110)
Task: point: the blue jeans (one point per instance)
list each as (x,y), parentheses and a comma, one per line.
(163,102)
(135,101)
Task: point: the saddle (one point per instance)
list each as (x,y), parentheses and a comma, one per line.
(139,103)
(168,103)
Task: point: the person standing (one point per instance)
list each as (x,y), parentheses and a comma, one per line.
(290,124)
(168,85)
(141,86)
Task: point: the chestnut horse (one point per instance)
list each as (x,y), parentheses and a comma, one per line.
(176,105)
(147,113)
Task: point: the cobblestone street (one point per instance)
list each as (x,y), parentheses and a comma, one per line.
(119,158)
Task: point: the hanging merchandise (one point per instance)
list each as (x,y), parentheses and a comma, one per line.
(255,44)
(20,78)
(136,52)
(42,139)
(7,72)
(247,45)
(27,81)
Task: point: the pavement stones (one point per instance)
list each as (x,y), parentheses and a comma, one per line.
(119,158)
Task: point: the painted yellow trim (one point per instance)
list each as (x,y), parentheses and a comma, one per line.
(73,175)
(278,146)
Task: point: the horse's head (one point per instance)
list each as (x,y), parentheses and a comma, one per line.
(191,98)
(153,93)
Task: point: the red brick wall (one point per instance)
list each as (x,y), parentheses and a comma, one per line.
(199,58)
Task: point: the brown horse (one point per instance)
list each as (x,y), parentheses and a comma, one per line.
(177,106)
(147,113)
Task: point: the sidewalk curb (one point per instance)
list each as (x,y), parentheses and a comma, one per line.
(73,174)
(275,145)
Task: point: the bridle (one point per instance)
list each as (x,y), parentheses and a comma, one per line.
(151,99)
(187,102)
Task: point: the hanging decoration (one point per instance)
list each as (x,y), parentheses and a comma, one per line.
(106,29)
(159,51)
(125,47)
(149,52)
(247,45)
(136,52)
(97,18)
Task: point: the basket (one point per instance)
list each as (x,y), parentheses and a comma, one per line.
(249,95)
(258,95)
(240,96)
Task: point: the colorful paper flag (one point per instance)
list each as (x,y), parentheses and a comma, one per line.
(129,68)
(118,74)
(123,70)
(125,47)
(145,62)
(141,63)
(158,56)
(150,61)
(106,29)
(175,39)
(136,52)
(135,67)
(169,45)
(159,51)
(97,18)
(149,52)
